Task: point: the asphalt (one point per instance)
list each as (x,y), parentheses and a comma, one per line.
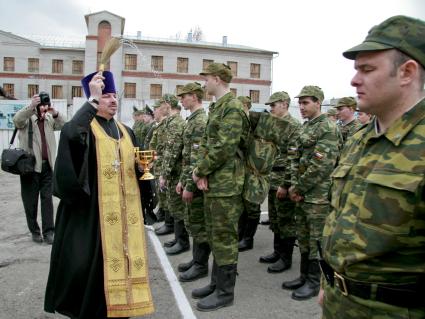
(24,268)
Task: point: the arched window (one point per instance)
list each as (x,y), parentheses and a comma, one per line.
(104,31)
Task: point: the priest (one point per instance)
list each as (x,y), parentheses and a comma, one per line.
(98,266)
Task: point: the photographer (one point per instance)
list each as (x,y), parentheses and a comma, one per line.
(40,117)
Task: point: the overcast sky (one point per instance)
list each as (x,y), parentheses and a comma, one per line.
(309,35)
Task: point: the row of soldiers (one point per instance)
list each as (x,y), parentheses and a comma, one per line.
(271,154)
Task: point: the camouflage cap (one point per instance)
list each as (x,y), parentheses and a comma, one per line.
(331,112)
(171,99)
(399,32)
(191,88)
(312,90)
(221,70)
(347,101)
(245,100)
(279,96)
(138,112)
(156,104)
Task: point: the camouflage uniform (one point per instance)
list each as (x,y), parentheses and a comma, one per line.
(157,143)
(138,126)
(221,160)
(171,165)
(349,129)
(373,234)
(194,130)
(317,150)
(143,133)
(313,159)
(281,212)
(149,135)
(374,237)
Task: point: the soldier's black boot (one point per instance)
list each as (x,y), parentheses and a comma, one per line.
(223,295)
(208,289)
(199,269)
(182,239)
(297,283)
(170,243)
(247,241)
(274,256)
(242,224)
(185,266)
(311,286)
(150,217)
(167,227)
(286,248)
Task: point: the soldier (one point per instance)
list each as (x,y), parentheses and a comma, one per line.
(374,237)
(314,159)
(248,221)
(157,143)
(281,208)
(219,172)
(138,125)
(349,125)
(170,174)
(331,114)
(148,121)
(363,117)
(191,99)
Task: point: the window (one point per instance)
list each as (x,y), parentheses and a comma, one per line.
(32,90)
(234,67)
(156,91)
(57,66)
(130,62)
(182,65)
(255,96)
(33,65)
(9,64)
(9,89)
(130,90)
(157,63)
(205,64)
(255,70)
(77,67)
(76,91)
(234,92)
(57,92)
(207,97)
(179,88)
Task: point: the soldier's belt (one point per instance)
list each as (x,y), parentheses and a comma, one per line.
(401,295)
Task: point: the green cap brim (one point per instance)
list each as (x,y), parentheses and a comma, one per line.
(365,46)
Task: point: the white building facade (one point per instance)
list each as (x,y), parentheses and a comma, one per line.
(144,68)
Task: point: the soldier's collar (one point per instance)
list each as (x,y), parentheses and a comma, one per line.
(317,119)
(406,123)
(226,97)
(195,113)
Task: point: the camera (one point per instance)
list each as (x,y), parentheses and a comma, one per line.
(44,98)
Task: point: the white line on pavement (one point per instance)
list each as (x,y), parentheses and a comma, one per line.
(181,300)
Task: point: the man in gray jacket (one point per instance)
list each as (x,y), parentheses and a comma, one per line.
(42,119)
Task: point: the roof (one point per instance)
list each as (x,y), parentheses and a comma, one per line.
(18,38)
(194,43)
(105,11)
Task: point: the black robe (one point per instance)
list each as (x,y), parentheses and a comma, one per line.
(75,284)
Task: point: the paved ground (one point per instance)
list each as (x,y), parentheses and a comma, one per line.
(24,268)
